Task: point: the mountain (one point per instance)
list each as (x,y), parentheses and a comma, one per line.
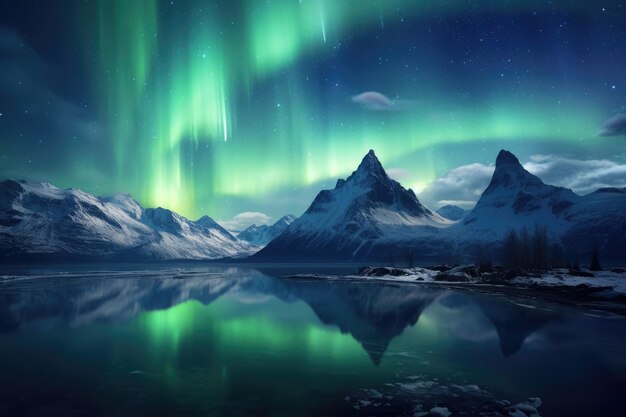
(515,198)
(598,219)
(264,234)
(367,216)
(451,212)
(370,217)
(180,238)
(39,220)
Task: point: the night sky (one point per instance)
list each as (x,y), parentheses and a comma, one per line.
(252,106)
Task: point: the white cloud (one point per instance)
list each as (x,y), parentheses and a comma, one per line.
(461,186)
(581,176)
(398,174)
(464,185)
(244,220)
(375,101)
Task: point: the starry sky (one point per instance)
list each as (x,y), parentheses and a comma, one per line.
(252,106)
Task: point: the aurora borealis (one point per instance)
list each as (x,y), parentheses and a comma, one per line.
(230,106)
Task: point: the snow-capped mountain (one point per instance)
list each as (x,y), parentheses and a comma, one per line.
(371,217)
(516,198)
(41,220)
(366,216)
(451,212)
(264,234)
(180,238)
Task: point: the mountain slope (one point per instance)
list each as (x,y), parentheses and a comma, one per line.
(366,216)
(264,234)
(598,219)
(517,198)
(451,212)
(180,238)
(38,220)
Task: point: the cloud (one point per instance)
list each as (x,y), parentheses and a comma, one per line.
(461,186)
(615,126)
(398,174)
(464,185)
(582,176)
(244,220)
(375,101)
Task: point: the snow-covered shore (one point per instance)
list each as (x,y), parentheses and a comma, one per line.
(575,284)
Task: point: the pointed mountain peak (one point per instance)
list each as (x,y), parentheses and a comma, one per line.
(206,221)
(510,173)
(370,159)
(370,166)
(506,158)
(287,218)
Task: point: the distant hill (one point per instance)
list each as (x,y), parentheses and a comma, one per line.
(39,220)
(264,234)
(451,212)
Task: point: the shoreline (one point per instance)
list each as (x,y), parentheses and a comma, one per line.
(567,295)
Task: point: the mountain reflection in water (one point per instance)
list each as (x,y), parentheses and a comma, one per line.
(372,313)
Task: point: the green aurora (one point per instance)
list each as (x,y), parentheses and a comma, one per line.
(218,107)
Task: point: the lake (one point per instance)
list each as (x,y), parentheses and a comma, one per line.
(191,340)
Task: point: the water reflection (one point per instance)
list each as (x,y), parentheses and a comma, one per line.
(514,323)
(371,313)
(231,341)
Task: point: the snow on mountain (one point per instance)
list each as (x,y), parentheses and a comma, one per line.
(180,238)
(598,219)
(366,216)
(264,234)
(516,198)
(41,220)
(369,216)
(452,212)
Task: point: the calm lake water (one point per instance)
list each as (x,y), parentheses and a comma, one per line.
(200,341)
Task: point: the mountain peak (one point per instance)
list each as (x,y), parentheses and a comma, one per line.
(370,166)
(451,212)
(510,173)
(506,158)
(287,218)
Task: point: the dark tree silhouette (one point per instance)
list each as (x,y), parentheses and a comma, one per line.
(512,247)
(483,258)
(410,261)
(528,251)
(595,260)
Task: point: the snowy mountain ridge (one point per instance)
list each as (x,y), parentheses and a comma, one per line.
(452,212)
(264,234)
(366,212)
(41,220)
(517,198)
(367,216)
